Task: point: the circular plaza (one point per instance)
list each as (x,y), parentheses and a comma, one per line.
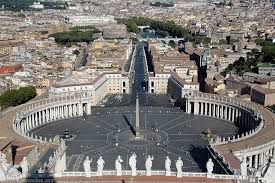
(165,130)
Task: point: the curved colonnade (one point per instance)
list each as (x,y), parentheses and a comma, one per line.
(45,111)
(256,143)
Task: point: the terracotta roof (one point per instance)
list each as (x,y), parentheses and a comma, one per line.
(232,160)
(7,69)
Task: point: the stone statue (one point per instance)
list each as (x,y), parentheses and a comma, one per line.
(24,166)
(133,164)
(100,166)
(148,165)
(209,167)
(3,167)
(50,160)
(244,167)
(167,166)
(118,165)
(13,173)
(41,170)
(87,168)
(179,165)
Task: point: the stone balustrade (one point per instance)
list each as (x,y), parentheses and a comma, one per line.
(236,138)
(157,173)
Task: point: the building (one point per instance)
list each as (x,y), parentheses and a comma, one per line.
(86,20)
(215,84)
(115,31)
(263,96)
(266,69)
(92,84)
(173,72)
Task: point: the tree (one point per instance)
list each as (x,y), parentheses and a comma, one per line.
(132,27)
(255,51)
(17,97)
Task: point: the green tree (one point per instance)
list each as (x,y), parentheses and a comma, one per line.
(132,27)
(17,97)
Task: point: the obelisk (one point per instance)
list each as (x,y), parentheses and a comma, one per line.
(137,118)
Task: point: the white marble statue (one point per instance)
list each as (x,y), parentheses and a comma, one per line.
(118,165)
(3,166)
(41,170)
(133,164)
(24,166)
(100,166)
(148,165)
(209,167)
(244,167)
(179,165)
(87,168)
(167,166)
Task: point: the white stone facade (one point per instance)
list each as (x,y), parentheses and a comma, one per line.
(86,20)
(96,91)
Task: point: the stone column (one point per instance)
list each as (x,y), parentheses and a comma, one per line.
(51,114)
(32,121)
(39,118)
(80,109)
(43,116)
(66,111)
(261,159)
(219,110)
(207,108)
(88,108)
(201,108)
(230,115)
(56,112)
(47,115)
(186,106)
(75,110)
(27,124)
(239,117)
(196,108)
(233,114)
(62,111)
(211,109)
(225,113)
(214,110)
(256,161)
(69,110)
(250,161)
(36,119)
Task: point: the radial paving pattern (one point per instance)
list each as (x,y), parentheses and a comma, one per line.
(108,132)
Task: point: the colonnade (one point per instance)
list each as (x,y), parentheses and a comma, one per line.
(260,158)
(41,115)
(241,117)
(245,115)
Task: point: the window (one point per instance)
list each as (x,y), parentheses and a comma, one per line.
(123,84)
(152,84)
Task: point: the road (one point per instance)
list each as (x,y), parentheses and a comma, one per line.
(139,86)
